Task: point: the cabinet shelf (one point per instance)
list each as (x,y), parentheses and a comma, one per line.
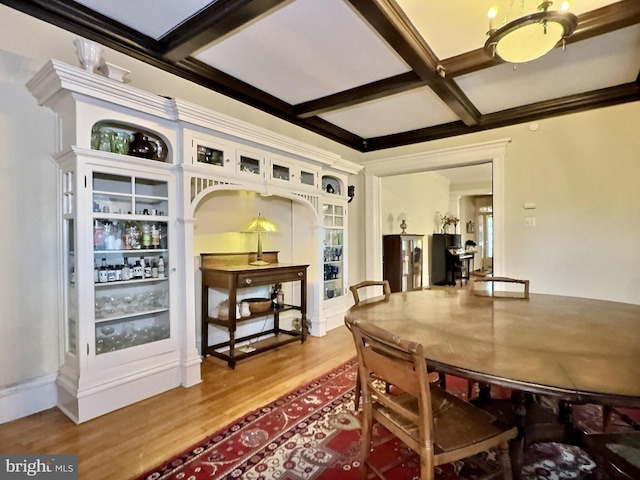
(130,282)
(122,316)
(132,251)
(225,321)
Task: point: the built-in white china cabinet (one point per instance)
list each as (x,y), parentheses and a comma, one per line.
(129,316)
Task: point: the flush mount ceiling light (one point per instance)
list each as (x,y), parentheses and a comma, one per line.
(531,35)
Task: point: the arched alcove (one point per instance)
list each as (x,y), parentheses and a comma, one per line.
(219,215)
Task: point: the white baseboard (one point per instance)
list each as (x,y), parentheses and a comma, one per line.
(27,398)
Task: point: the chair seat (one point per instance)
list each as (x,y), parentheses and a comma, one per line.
(457,424)
(618,454)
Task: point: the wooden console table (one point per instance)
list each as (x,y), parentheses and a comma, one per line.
(230,272)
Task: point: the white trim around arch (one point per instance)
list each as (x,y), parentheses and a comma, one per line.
(493,151)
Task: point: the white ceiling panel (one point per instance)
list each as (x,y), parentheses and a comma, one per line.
(305,50)
(584,66)
(450,34)
(410,110)
(152,17)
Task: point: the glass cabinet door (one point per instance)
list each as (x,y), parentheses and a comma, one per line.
(333,220)
(411,263)
(130,261)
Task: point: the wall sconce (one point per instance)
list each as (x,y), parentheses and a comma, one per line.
(351,192)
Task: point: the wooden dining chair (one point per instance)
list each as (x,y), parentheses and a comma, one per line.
(438,426)
(616,454)
(386,290)
(606,411)
(491,291)
(490,282)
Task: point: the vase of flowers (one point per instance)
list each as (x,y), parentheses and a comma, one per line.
(450,219)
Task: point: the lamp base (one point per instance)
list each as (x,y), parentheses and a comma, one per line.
(260,263)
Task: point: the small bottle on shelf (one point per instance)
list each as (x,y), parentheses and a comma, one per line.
(111,273)
(96,273)
(161,268)
(126,271)
(103,274)
(138,270)
(146,268)
(155,236)
(146,235)
(274,296)
(98,235)
(279,296)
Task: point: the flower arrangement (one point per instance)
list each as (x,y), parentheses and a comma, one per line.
(450,219)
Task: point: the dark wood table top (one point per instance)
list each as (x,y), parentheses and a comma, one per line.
(577,349)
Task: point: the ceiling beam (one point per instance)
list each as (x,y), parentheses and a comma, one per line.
(392,24)
(354,96)
(214,22)
(537,111)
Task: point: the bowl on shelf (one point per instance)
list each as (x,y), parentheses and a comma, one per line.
(258,305)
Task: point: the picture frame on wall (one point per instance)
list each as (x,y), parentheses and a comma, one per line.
(471,228)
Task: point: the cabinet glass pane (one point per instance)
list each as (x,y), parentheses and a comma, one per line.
(280,172)
(333,251)
(130,271)
(71,293)
(249,165)
(118,335)
(151,188)
(307,178)
(105,182)
(112,193)
(210,155)
(151,197)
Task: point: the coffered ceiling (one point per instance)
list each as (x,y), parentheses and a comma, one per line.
(370,74)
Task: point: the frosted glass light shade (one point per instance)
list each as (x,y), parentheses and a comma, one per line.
(530,37)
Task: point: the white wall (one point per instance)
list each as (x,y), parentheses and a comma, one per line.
(420,196)
(582,172)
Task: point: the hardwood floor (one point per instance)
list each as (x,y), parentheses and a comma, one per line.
(126,443)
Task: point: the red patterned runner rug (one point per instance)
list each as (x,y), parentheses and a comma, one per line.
(312,433)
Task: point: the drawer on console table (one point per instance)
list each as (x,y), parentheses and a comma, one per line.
(268,276)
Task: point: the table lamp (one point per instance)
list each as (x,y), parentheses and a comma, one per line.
(260,225)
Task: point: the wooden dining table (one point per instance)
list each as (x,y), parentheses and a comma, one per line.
(578,350)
